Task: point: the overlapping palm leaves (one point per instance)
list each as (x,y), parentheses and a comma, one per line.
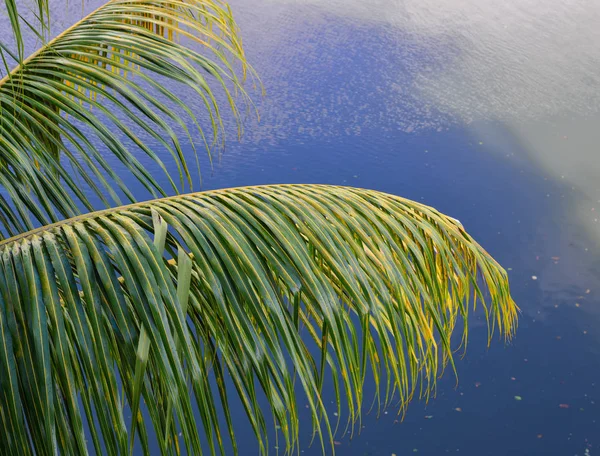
(146,322)
(288,283)
(99,89)
(39,27)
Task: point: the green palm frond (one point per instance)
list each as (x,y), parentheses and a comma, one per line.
(287,285)
(109,85)
(40,27)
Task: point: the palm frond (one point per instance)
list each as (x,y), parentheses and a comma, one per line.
(288,285)
(16,21)
(102,87)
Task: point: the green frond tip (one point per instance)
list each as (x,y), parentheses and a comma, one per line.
(119,83)
(288,284)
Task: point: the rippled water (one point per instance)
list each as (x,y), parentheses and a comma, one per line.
(488,111)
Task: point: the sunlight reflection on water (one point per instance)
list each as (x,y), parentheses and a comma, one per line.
(531,66)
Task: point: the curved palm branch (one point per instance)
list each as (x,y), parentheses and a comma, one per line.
(264,291)
(100,88)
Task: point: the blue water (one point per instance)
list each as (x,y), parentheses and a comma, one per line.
(330,116)
(503,203)
(352,100)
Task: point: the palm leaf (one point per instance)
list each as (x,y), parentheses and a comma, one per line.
(289,284)
(39,27)
(101,88)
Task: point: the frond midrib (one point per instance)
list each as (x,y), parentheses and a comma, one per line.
(46,47)
(100,213)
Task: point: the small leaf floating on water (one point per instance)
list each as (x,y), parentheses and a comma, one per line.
(518,398)
(563,406)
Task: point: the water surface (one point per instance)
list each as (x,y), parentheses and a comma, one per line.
(490,113)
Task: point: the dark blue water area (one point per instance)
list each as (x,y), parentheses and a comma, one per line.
(535,395)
